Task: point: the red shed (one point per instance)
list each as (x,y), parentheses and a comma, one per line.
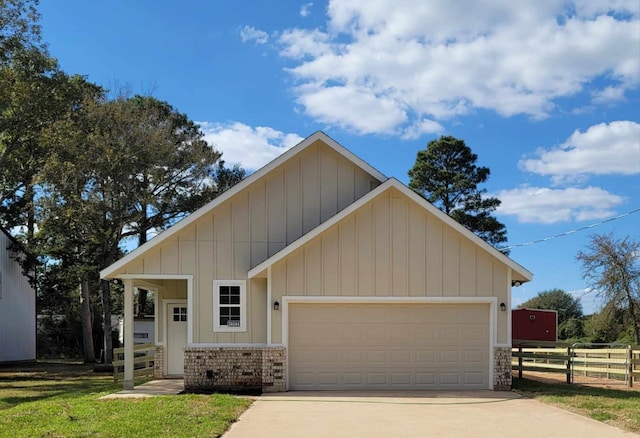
(534,325)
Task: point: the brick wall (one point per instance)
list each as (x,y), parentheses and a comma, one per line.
(502,368)
(235,369)
(158,359)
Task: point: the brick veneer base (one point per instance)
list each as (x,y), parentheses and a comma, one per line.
(158,358)
(263,368)
(235,369)
(502,369)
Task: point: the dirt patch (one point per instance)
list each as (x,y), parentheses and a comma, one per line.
(584,381)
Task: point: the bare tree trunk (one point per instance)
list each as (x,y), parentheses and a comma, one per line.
(31,220)
(634,316)
(106,310)
(87,331)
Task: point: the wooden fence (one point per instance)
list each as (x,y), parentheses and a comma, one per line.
(143,359)
(612,362)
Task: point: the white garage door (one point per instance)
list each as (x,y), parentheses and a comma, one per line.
(388,346)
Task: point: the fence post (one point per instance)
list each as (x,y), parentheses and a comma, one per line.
(520,362)
(630,366)
(569,359)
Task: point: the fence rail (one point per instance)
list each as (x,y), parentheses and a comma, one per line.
(143,360)
(605,361)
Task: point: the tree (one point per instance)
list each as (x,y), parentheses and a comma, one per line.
(446,174)
(612,268)
(120,168)
(606,326)
(567,306)
(34,93)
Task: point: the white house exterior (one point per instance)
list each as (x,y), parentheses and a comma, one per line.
(319,272)
(17,309)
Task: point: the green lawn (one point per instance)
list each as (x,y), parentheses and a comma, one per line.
(61,400)
(617,407)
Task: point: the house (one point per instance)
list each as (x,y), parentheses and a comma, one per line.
(534,325)
(319,272)
(144,329)
(17,308)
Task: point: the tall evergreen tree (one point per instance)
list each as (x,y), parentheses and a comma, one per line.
(446,174)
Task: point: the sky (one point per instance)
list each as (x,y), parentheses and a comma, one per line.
(546,93)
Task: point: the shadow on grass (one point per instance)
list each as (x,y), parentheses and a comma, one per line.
(31,382)
(533,387)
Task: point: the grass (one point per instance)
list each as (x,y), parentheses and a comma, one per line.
(618,407)
(61,400)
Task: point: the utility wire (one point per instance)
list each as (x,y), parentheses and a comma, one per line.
(567,233)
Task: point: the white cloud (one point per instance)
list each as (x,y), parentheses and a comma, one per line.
(250,33)
(602,149)
(353,109)
(424,126)
(547,206)
(305,10)
(608,95)
(297,43)
(589,299)
(251,147)
(436,60)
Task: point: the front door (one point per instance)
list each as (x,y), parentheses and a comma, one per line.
(176,318)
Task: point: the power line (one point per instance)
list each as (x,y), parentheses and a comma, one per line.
(567,233)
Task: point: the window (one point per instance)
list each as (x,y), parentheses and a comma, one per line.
(179,314)
(229,306)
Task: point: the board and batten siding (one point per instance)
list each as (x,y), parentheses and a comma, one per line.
(17,309)
(253,225)
(391,247)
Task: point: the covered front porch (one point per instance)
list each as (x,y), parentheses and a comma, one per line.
(173,321)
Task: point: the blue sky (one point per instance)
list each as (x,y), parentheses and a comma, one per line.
(547,94)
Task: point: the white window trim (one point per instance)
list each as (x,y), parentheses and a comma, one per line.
(216,305)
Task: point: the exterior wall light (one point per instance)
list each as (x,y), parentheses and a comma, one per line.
(516,283)
(503,307)
(276,305)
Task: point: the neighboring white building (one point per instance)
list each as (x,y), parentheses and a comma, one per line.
(143,330)
(17,308)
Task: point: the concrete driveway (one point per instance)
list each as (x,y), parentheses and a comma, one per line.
(411,414)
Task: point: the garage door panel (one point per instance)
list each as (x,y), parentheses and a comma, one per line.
(473,378)
(353,378)
(377,356)
(401,357)
(425,333)
(375,334)
(353,356)
(473,314)
(449,357)
(328,378)
(403,347)
(426,378)
(376,378)
(475,357)
(425,357)
(402,333)
(446,316)
(401,378)
(449,333)
(447,378)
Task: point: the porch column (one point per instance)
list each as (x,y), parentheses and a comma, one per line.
(128,335)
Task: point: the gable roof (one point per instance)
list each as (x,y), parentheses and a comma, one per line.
(523,274)
(109,271)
